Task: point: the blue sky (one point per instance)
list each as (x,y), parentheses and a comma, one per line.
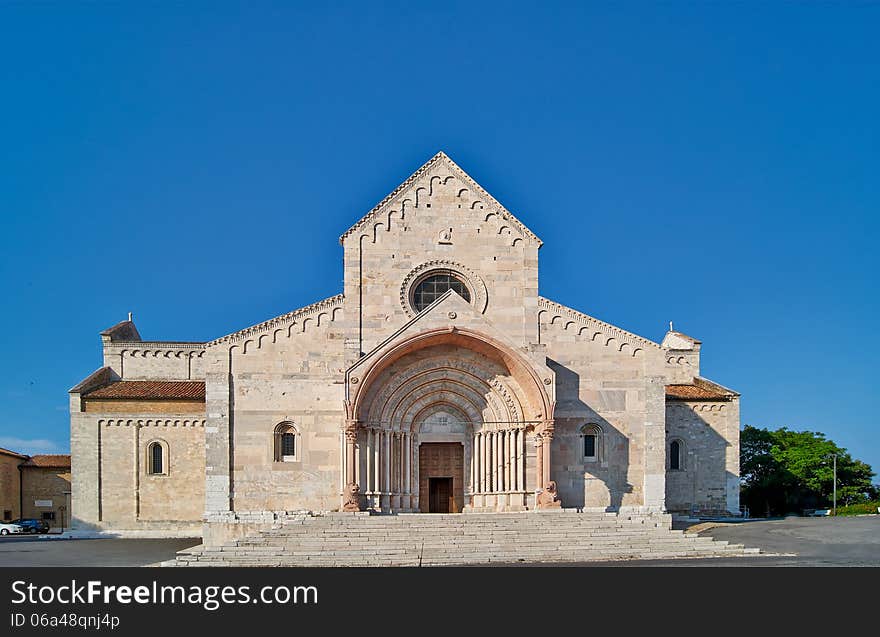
(195,164)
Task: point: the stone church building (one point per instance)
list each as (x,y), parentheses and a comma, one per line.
(439,380)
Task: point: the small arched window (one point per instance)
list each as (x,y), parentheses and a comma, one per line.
(675,455)
(157,458)
(591,442)
(286,443)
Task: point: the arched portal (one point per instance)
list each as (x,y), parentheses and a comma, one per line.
(447,406)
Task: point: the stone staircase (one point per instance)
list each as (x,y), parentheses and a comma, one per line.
(415,539)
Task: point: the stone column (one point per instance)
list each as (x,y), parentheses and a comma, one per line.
(368,461)
(377,467)
(493,462)
(487,485)
(407,438)
(511,459)
(414,498)
(548,437)
(386,466)
(539,461)
(500,462)
(350,442)
(478,451)
(350,497)
(503,451)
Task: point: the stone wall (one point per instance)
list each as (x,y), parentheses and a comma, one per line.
(611,379)
(708,479)
(156,361)
(49,487)
(9,486)
(290,371)
(108,406)
(112,487)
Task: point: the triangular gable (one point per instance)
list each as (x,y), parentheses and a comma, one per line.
(489,204)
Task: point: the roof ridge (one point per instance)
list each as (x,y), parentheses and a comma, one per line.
(608,327)
(273,322)
(149,390)
(13,453)
(699,380)
(409,181)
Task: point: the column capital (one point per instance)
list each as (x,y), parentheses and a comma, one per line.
(351,426)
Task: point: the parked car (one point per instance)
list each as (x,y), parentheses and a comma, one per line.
(32,526)
(7,528)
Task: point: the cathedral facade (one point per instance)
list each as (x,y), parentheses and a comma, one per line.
(439,380)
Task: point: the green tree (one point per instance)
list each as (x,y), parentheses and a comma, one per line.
(784,470)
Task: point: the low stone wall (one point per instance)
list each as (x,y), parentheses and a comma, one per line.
(220,528)
(142,529)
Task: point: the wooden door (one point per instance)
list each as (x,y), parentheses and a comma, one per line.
(440,495)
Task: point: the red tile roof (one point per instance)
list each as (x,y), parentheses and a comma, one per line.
(151,390)
(49,460)
(12,453)
(695,392)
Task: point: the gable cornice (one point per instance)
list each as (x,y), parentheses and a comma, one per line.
(440,157)
(586,321)
(278,321)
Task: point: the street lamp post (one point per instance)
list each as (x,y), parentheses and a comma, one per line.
(834,500)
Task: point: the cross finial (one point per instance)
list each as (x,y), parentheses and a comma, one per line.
(129,317)
(670,326)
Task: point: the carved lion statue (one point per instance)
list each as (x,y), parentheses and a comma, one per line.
(549,498)
(351,501)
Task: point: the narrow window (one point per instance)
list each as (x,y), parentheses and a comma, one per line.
(592,435)
(675,455)
(157,459)
(285,442)
(590,446)
(288,444)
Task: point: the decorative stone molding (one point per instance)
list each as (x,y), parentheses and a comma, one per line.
(156,348)
(593,328)
(707,407)
(419,188)
(152,422)
(326,309)
(476,285)
(502,403)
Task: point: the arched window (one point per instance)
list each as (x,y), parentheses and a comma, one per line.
(676,455)
(591,443)
(286,443)
(157,458)
(435,285)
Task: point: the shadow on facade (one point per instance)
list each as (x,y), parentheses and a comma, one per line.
(700,484)
(584,483)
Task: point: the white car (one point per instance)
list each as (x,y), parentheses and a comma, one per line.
(6,528)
